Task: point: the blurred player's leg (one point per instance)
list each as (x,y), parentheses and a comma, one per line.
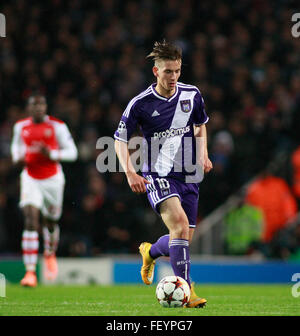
(53,190)
(51,239)
(30,245)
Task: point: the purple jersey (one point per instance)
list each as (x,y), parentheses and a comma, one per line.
(167,127)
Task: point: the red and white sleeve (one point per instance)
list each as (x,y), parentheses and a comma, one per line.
(17,148)
(67,149)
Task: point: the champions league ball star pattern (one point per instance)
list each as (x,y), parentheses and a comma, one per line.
(172,292)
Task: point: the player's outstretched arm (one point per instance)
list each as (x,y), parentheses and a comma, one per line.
(135,181)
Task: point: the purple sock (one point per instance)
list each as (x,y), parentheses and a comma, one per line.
(161,247)
(180,258)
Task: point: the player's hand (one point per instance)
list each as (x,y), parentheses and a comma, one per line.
(21,163)
(137,183)
(207,166)
(44,150)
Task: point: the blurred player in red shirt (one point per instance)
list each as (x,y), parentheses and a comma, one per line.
(40,142)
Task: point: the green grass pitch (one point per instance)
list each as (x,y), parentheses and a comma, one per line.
(139,300)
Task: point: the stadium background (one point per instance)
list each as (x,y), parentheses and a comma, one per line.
(88,57)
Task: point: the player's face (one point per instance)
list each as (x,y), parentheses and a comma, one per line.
(167,73)
(37,108)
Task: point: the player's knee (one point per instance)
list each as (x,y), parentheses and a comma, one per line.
(31,224)
(179,219)
(179,232)
(181,227)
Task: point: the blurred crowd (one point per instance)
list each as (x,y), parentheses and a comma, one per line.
(88,57)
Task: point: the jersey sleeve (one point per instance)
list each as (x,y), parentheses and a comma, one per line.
(200,116)
(127,124)
(67,149)
(17,147)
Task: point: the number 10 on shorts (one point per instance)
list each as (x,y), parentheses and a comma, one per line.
(164,186)
(2,285)
(163,183)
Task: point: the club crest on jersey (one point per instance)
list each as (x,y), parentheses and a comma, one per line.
(26,133)
(186,105)
(48,132)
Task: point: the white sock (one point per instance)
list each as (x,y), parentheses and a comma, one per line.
(30,249)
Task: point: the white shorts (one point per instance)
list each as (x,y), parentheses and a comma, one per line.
(46,195)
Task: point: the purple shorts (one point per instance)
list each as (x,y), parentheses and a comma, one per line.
(162,188)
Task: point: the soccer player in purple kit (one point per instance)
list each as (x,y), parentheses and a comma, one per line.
(169,113)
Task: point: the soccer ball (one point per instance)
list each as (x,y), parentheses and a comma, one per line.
(173,291)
